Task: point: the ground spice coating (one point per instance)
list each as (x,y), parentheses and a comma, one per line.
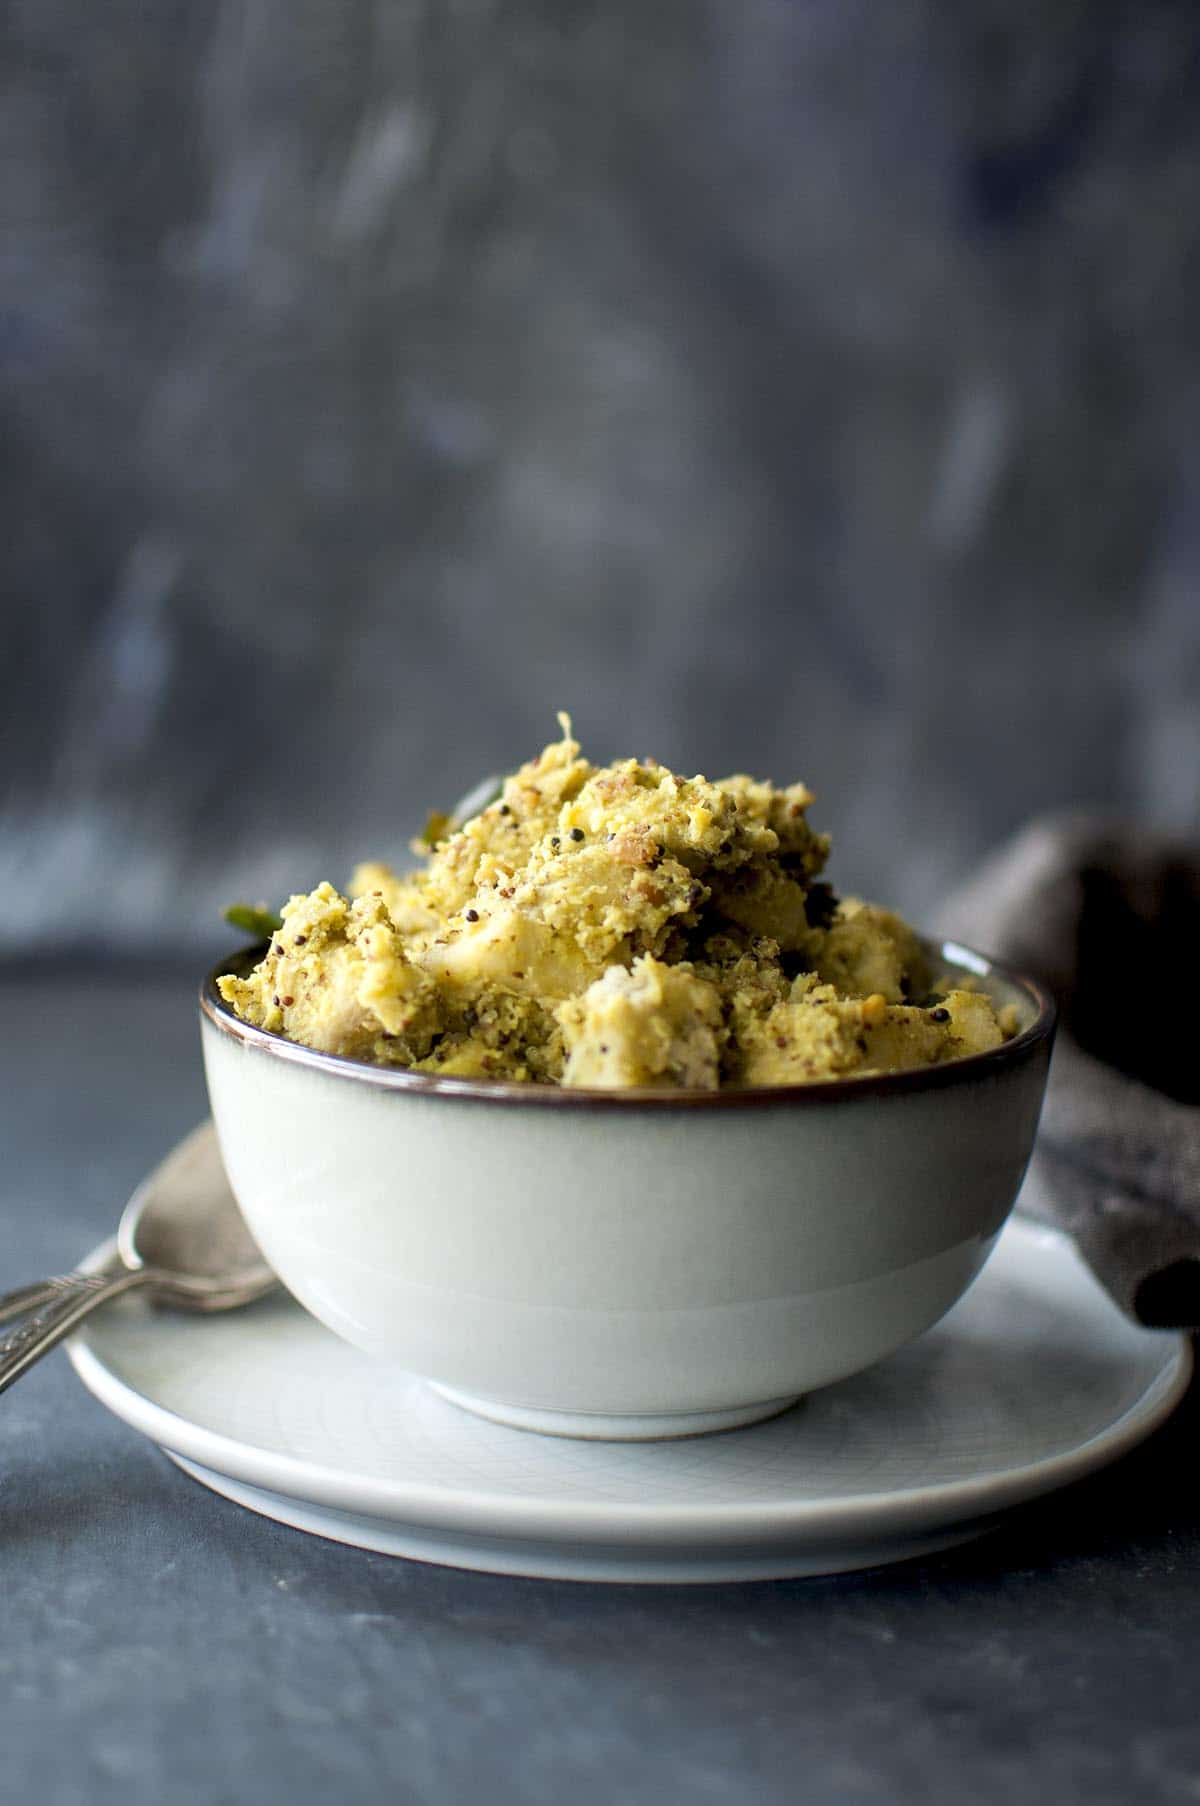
(614,927)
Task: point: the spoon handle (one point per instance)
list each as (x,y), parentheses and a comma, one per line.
(24,1299)
(64,1304)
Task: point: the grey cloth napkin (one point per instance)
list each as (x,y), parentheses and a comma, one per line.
(1108,915)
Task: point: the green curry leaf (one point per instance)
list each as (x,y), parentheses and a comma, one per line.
(258,922)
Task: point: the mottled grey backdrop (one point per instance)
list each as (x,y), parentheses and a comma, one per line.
(807,385)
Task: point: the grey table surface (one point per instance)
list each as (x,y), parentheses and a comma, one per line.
(161,1645)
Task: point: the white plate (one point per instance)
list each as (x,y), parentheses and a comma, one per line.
(1033,1380)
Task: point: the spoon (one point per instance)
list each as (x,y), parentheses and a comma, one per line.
(181,1237)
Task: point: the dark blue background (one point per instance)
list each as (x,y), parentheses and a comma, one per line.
(792,385)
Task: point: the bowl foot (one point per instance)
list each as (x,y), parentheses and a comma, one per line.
(598,1426)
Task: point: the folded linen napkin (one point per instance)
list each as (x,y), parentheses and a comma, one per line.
(1108,916)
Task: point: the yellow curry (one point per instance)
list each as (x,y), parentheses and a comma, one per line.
(614,926)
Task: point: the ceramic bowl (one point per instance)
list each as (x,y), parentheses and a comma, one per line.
(626,1264)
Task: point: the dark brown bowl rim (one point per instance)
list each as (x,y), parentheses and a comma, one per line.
(970,1068)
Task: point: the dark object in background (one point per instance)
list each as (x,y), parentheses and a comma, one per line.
(1109,917)
(1141,1011)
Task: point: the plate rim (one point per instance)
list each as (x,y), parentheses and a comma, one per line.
(653,1523)
(677,1564)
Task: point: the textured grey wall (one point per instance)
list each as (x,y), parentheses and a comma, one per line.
(805,385)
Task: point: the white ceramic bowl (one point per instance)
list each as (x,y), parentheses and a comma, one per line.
(626,1264)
